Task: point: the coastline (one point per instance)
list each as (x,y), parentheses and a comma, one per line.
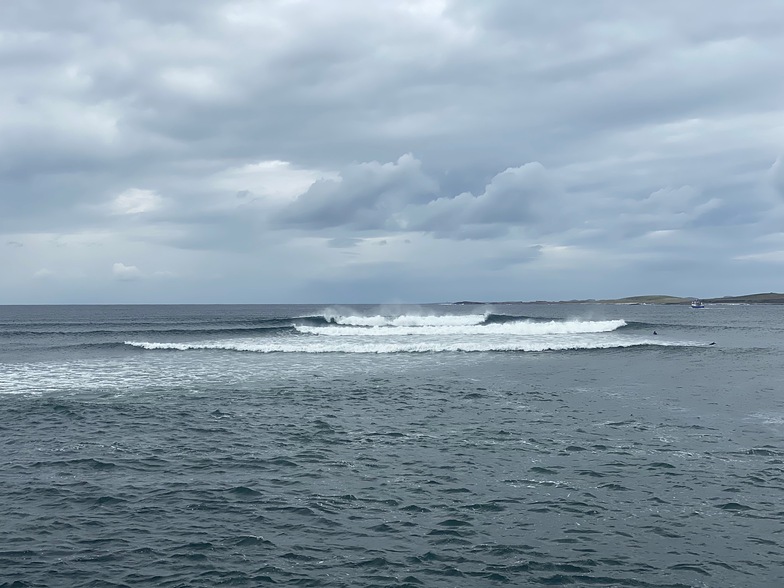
(763,298)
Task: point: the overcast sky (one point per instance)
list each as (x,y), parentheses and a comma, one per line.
(278,151)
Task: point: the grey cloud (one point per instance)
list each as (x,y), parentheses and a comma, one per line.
(677,206)
(343,242)
(126,272)
(517,196)
(367,196)
(517,257)
(666,209)
(400,197)
(314,96)
(776,178)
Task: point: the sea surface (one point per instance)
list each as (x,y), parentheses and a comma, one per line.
(418,446)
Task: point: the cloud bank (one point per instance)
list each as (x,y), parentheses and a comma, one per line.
(403,151)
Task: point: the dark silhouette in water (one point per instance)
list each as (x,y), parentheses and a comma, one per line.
(655,333)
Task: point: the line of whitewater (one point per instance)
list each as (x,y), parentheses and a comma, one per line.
(350,333)
(407,320)
(373,347)
(510,328)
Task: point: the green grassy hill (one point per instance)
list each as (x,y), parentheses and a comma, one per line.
(768,298)
(649,299)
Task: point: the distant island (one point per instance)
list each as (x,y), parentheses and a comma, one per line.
(767,298)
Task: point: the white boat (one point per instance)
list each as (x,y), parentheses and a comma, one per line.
(696,303)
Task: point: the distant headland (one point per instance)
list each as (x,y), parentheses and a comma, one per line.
(767,298)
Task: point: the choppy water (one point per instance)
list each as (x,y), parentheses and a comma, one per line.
(411,446)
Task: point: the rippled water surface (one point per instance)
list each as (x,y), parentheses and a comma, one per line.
(429,446)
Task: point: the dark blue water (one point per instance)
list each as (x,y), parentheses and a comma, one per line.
(410,446)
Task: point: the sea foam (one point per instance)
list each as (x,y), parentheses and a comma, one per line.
(407,320)
(419,333)
(347,346)
(429,326)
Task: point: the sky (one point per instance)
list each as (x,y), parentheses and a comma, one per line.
(303,151)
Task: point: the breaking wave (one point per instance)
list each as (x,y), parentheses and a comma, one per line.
(402,347)
(434,325)
(451,320)
(350,331)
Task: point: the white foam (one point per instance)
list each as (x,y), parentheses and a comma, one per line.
(422,333)
(406,320)
(447,329)
(419,345)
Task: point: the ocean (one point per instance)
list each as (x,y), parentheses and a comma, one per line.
(417,446)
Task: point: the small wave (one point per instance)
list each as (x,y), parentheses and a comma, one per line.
(244,491)
(76,346)
(261,326)
(505,318)
(88,462)
(665,327)
(734,506)
(162,331)
(250,541)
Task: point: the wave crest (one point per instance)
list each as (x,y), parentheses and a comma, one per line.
(377,347)
(406,320)
(432,328)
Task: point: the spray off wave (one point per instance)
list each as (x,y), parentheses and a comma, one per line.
(407,320)
(435,326)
